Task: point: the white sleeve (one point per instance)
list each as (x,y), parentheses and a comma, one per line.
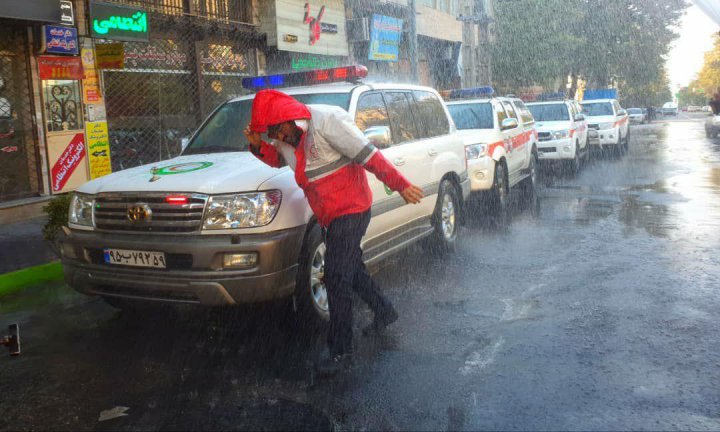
(339,130)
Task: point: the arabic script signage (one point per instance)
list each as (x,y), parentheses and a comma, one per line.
(109,21)
(60,40)
(68,161)
(384,38)
(54,67)
(98,149)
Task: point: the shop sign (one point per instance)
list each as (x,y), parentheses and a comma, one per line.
(69,160)
(98,143)
(34,10)
(317,26)
(66,12)
(313,26)
(124,23)
(158,55)
(314,62)
(58,68)
(222,59)
(385,38)
(91,83)
(60,40)
(110,56)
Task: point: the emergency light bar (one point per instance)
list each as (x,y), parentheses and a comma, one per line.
(318,76)
(465,93)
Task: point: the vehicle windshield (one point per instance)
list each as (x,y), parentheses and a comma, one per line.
(472,116)
(550,112)
(634,111)
(598,109)
(223,132)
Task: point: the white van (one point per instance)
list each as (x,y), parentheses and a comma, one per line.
(216,226)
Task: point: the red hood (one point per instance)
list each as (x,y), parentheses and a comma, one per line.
(272,107)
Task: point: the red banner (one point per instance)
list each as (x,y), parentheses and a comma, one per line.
(67,162)
(53,67)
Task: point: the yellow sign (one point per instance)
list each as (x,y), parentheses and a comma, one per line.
(110,56)
(91,84)
(98,143)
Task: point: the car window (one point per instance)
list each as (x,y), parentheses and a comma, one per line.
(501,114)
(550,112)
(371,111)
(432,117)
(402,120)
(597,109)
(573,112)
(510,110)
(634,111)
(472,116)
(525,114)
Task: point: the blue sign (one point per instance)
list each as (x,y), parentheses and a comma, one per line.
(385,38)
(60,40)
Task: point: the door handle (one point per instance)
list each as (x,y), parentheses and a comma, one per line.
(399,162)
(432,152)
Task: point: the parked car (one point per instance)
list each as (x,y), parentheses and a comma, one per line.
(562,132)
(669,108)
(608,124)
(712,126)
(500,143)
(693,108)
(216,226)
(637,115)
(707,108)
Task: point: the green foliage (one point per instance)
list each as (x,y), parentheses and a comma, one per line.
(57,211)
(693,95)
(620,42)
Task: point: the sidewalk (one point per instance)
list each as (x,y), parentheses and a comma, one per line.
(25,258)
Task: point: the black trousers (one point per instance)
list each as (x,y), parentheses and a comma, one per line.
(345,272)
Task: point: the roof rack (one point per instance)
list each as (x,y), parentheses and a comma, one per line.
(318,76)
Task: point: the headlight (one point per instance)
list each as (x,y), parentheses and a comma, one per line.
(81,209)
(242,210)
(475,151)
(560,134)
(607,125)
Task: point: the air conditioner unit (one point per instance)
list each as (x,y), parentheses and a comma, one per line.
(358,30)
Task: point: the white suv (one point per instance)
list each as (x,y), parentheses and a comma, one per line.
(562,132)
(608,124)
(500,143)
(216,226)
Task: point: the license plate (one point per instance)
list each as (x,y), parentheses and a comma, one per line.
(593,134)
(135,258)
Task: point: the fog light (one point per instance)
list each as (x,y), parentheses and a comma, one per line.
(566,148)
(243,260)
(479,175)
(68,251)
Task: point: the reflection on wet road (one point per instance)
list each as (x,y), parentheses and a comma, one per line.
(595,309)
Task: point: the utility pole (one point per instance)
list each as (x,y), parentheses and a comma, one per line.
(413,41)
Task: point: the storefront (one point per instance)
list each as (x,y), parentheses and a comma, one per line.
(303,35)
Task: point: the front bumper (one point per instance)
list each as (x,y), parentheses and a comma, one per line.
(556,149)
(481,172)
(194,272)
(604,137)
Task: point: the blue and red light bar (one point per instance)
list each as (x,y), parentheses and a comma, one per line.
(318,76)
(466,93)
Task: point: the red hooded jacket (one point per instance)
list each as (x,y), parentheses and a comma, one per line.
(334,151)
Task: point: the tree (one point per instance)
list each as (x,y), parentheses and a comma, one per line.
(709,77)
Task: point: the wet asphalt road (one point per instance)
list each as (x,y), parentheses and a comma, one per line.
(595,309)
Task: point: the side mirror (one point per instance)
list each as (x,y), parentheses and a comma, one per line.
(509,123)
(579,117)
(379,136)
(184,143)
(622,112)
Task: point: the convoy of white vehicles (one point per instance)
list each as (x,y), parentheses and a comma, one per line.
(216,226)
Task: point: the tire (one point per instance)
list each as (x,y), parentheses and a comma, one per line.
(530,184)
(576,163)
(311,300)
(446,218)
(500,192)
(626,145)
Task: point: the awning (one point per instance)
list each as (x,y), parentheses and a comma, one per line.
(31,10)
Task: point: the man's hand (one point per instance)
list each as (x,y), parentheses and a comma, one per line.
(412,194)
(253,138)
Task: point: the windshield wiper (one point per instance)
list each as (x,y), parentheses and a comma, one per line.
(212,149)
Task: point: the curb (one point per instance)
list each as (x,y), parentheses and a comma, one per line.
(19,279)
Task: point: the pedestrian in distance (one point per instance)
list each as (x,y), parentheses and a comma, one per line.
(329,156)
(715,102)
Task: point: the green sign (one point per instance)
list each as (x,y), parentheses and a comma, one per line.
(109,21)
(314,62)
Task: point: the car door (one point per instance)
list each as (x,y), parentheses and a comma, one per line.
(511,139)
(434,128)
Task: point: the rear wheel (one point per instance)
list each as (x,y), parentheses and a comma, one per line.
(311,299)
(529,186)
(446,218)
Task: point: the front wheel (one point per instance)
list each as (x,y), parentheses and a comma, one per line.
(500,192)
(311,299)
(529,185)
(575,163)
(446,218)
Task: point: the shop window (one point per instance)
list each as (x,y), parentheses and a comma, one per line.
(402,120)
(63,110)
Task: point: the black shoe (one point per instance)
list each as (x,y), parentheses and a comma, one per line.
(331,365)
(380,321)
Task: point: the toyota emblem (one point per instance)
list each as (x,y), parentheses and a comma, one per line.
(139,213)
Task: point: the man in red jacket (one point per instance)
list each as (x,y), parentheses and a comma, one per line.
(329,156)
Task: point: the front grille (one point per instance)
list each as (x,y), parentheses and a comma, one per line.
(544,136)
(548,149)
(111,213)
(593,126)
(173,261)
